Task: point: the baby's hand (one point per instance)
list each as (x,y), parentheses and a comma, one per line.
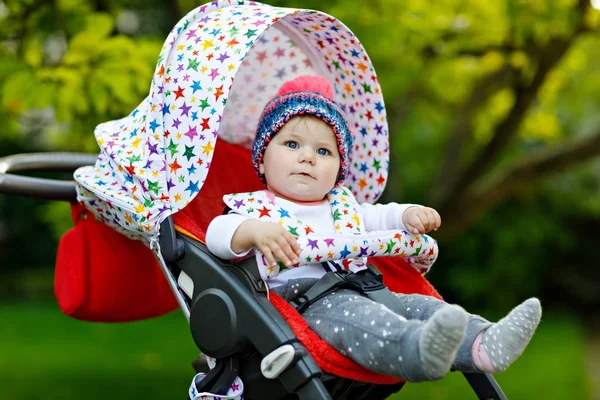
(421,219)
(275,242)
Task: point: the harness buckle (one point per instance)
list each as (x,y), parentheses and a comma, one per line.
(364,282)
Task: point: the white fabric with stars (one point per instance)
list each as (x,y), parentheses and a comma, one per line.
(352,244)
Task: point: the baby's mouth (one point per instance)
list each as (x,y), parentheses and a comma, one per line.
(304,174)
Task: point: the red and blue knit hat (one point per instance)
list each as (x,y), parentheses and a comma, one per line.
(304,95)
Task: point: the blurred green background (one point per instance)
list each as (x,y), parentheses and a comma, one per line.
(494,115)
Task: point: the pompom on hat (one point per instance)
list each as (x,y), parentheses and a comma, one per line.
(304,95)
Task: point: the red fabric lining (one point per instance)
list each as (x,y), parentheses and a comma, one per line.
(103,276)
(232,172)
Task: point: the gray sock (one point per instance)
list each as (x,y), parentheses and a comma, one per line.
(440,339)
(504,341)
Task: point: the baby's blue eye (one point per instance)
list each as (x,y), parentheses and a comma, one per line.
(323,152)
(291,144)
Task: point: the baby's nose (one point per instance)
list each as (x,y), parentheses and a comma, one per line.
(307,155)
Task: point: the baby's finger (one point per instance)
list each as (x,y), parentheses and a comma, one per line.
(269,256)
(287,249)
(424,221)
(280,254)
(437,219)
(293,241)
(430,220)
(416,226)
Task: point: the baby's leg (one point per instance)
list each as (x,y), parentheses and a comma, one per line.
(385,342)
(417,306)
(487,347)
(502,343)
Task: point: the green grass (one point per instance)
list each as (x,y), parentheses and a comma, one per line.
(45,355)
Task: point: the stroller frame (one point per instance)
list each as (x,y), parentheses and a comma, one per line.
(245,327)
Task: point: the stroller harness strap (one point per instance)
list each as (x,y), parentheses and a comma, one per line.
(352,244)
(368,282)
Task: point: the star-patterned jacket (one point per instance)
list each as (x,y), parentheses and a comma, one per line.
(351,244)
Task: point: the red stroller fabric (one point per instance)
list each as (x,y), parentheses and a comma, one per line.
(103,276)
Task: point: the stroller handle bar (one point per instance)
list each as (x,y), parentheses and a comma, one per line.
(49,189)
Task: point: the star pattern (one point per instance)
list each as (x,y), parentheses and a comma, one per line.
(351,245)
(275,59)
(154,161)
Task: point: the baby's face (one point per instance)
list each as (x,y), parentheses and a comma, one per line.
(302,161)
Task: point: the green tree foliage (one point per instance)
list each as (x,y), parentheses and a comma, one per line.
(485,101)
(66,56)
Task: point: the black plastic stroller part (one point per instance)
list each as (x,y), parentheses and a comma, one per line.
(171,247)
(219,379)
(485,386)
(200,364)
(226,319)
(49,189)
(347,389)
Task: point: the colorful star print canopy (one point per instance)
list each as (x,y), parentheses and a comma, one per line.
(218,68)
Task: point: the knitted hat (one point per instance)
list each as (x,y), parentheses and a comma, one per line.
(304,95)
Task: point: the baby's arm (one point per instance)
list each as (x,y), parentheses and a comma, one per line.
(270,238)
(220,233)
(232,236)
(414,218)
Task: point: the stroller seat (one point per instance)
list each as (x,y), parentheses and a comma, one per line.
(246,324)
(233,172)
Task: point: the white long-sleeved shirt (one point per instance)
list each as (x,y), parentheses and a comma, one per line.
(378,217)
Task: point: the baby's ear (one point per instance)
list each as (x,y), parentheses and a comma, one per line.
(261,168)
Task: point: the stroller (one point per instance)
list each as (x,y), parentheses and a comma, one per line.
(139,217)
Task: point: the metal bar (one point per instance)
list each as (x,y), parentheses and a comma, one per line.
(36,187)
(48,189)
(46,162)
(485,386)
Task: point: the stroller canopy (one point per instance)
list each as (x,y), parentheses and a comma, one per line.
(218,68)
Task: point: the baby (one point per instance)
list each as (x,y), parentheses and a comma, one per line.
(301,151)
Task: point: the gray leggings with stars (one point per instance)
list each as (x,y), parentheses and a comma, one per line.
(381,339)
